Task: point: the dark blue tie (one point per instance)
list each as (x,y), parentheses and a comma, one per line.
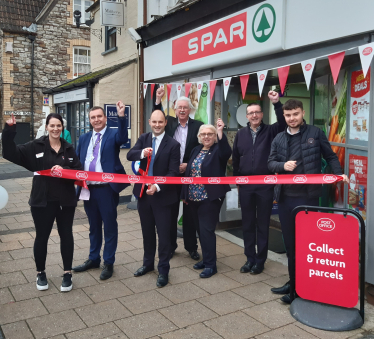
(150,169)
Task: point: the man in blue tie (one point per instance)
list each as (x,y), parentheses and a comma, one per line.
(156,202)
(99,150)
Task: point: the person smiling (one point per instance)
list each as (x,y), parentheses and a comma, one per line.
(51,198)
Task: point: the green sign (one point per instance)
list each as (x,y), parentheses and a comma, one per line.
(259,31)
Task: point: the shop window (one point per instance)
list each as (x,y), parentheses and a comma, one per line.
(110,38)
(82,5)
(82,61)
(79,120)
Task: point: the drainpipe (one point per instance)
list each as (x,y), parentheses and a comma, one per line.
(32,39)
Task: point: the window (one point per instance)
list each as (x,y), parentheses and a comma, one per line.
(82,61)
(82,5)
(110,37)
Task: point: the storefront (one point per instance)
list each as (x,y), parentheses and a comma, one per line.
(262,40)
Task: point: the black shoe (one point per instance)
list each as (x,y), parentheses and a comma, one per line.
(246,268)
(86,266)
(257,269)
(208,272)
(287,298)
(285,289)
(67,284)
(41,281)
(162,280)
(107,272)
(194,255)
(199,266)
(143,270)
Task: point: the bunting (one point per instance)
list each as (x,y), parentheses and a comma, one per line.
(199,89)
(169,87)
(212,85)
(283,75)
(366,55)
(226,85)
(308,67)
(187,87)
(152,90)
(243,83)
(336,61)
(179,89)
(145,85)
(261,77)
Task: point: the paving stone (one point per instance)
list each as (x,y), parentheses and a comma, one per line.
(137,243)
(102,313)
(180,260)
(123,258)
(9,246)
(124,246)
(11,279)
(21,310)
(51,271)
(246,278)
(188,313)
(22,253)
(286,332)
(258,293)
(145,302)
(217,283)
(141,284)
(54,324)
(137,234)
(277,281)
(182,292)
(65,301)
(137,254)
(16,265)
(122,336)
(15,237)
(4,227)
(80,280)
(198,331)
(145,325)
(96,332)
(236,326)
(125,237)
(230,249)
(84,243)
(5,256)
(182,274)
(119,272)
(234,261)
(133,266)
(5,296)
(17,330)
(275,269)
(327,334)
(29,291)
(80,228)
(107,291)
(225,302)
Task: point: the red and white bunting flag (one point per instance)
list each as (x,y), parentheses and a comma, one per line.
(336,61)
(308,67)
(366,55)
(283,75)
(199,89)
(261,77)
(187,87)
(244,82)
(161,86)
(212,85)
(145,86)
(152,90)
(179,89)
(169,86)
(226,85)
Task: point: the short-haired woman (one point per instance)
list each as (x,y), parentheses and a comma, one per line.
(51,198)
(204,201)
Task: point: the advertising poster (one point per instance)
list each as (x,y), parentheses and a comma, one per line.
(359,106)
(358,170)
(112,120)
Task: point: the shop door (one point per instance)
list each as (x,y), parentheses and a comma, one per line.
(79,121)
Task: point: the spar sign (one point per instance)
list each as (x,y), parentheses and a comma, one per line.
(327,247)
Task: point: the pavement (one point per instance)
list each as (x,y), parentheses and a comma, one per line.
(229,305)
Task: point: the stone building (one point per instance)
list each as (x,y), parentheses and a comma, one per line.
(40,48)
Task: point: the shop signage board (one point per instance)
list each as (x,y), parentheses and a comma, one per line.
(112,120)
(112,13)
(327,262)
(359,106)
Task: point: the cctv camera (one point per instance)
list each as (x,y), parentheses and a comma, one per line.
(77,17)
(134,35)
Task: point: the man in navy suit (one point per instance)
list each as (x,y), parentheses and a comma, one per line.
(155,206)
(99,151)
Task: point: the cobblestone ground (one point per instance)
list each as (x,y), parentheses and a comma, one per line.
(228,305)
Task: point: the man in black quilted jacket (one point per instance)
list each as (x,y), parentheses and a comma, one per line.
(298,150)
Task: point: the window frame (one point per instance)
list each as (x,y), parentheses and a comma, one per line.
(109,31)
(81,63)
(85,16)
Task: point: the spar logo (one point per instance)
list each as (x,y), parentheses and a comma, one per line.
(186,180)
(263,23)
(299,179)
(308,67)
(262,77)
(133,178)
(81,175)
(329,178)
(214,180)
(367,51)
(242,180)
(160,180)
(270,179)
(107,177)
(325,224)
(354,107)
(56,173)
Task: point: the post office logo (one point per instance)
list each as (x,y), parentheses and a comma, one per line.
(133,178)
(262,77)
(308,67)
(186,180)
(160,180)
(326,224)
(367,51)
(242,180)
(107,177)
(263,23)
(270,179)
(298,179)
(56,173)
(81,175)
(214,180)
(329,178)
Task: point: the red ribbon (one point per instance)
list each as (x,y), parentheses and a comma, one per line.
(145,174)
(144,179)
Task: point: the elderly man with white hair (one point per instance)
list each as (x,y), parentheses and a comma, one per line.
(184,130)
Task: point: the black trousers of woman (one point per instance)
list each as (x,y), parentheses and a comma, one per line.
(44,218)
(204,215)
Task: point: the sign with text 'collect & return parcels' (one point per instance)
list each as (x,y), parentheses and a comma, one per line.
(327,258)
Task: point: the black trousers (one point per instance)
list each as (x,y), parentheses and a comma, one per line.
(256,204)
(44,218)
(204,216)
(285,206)
(152,214)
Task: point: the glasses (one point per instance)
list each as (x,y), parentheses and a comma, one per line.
(183,108)
(257,113)
(206,135)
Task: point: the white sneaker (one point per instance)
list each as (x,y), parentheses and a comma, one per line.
(67,284)
(41,281)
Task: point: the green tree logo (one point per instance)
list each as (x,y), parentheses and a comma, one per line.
(261,28)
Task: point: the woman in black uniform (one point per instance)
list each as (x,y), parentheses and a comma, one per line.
(51,198)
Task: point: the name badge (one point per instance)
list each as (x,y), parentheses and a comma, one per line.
(39,155)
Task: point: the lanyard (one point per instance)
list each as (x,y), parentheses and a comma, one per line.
(94,146)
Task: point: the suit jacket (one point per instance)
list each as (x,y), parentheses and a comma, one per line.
(213,165)
(109,151)
(166,164)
